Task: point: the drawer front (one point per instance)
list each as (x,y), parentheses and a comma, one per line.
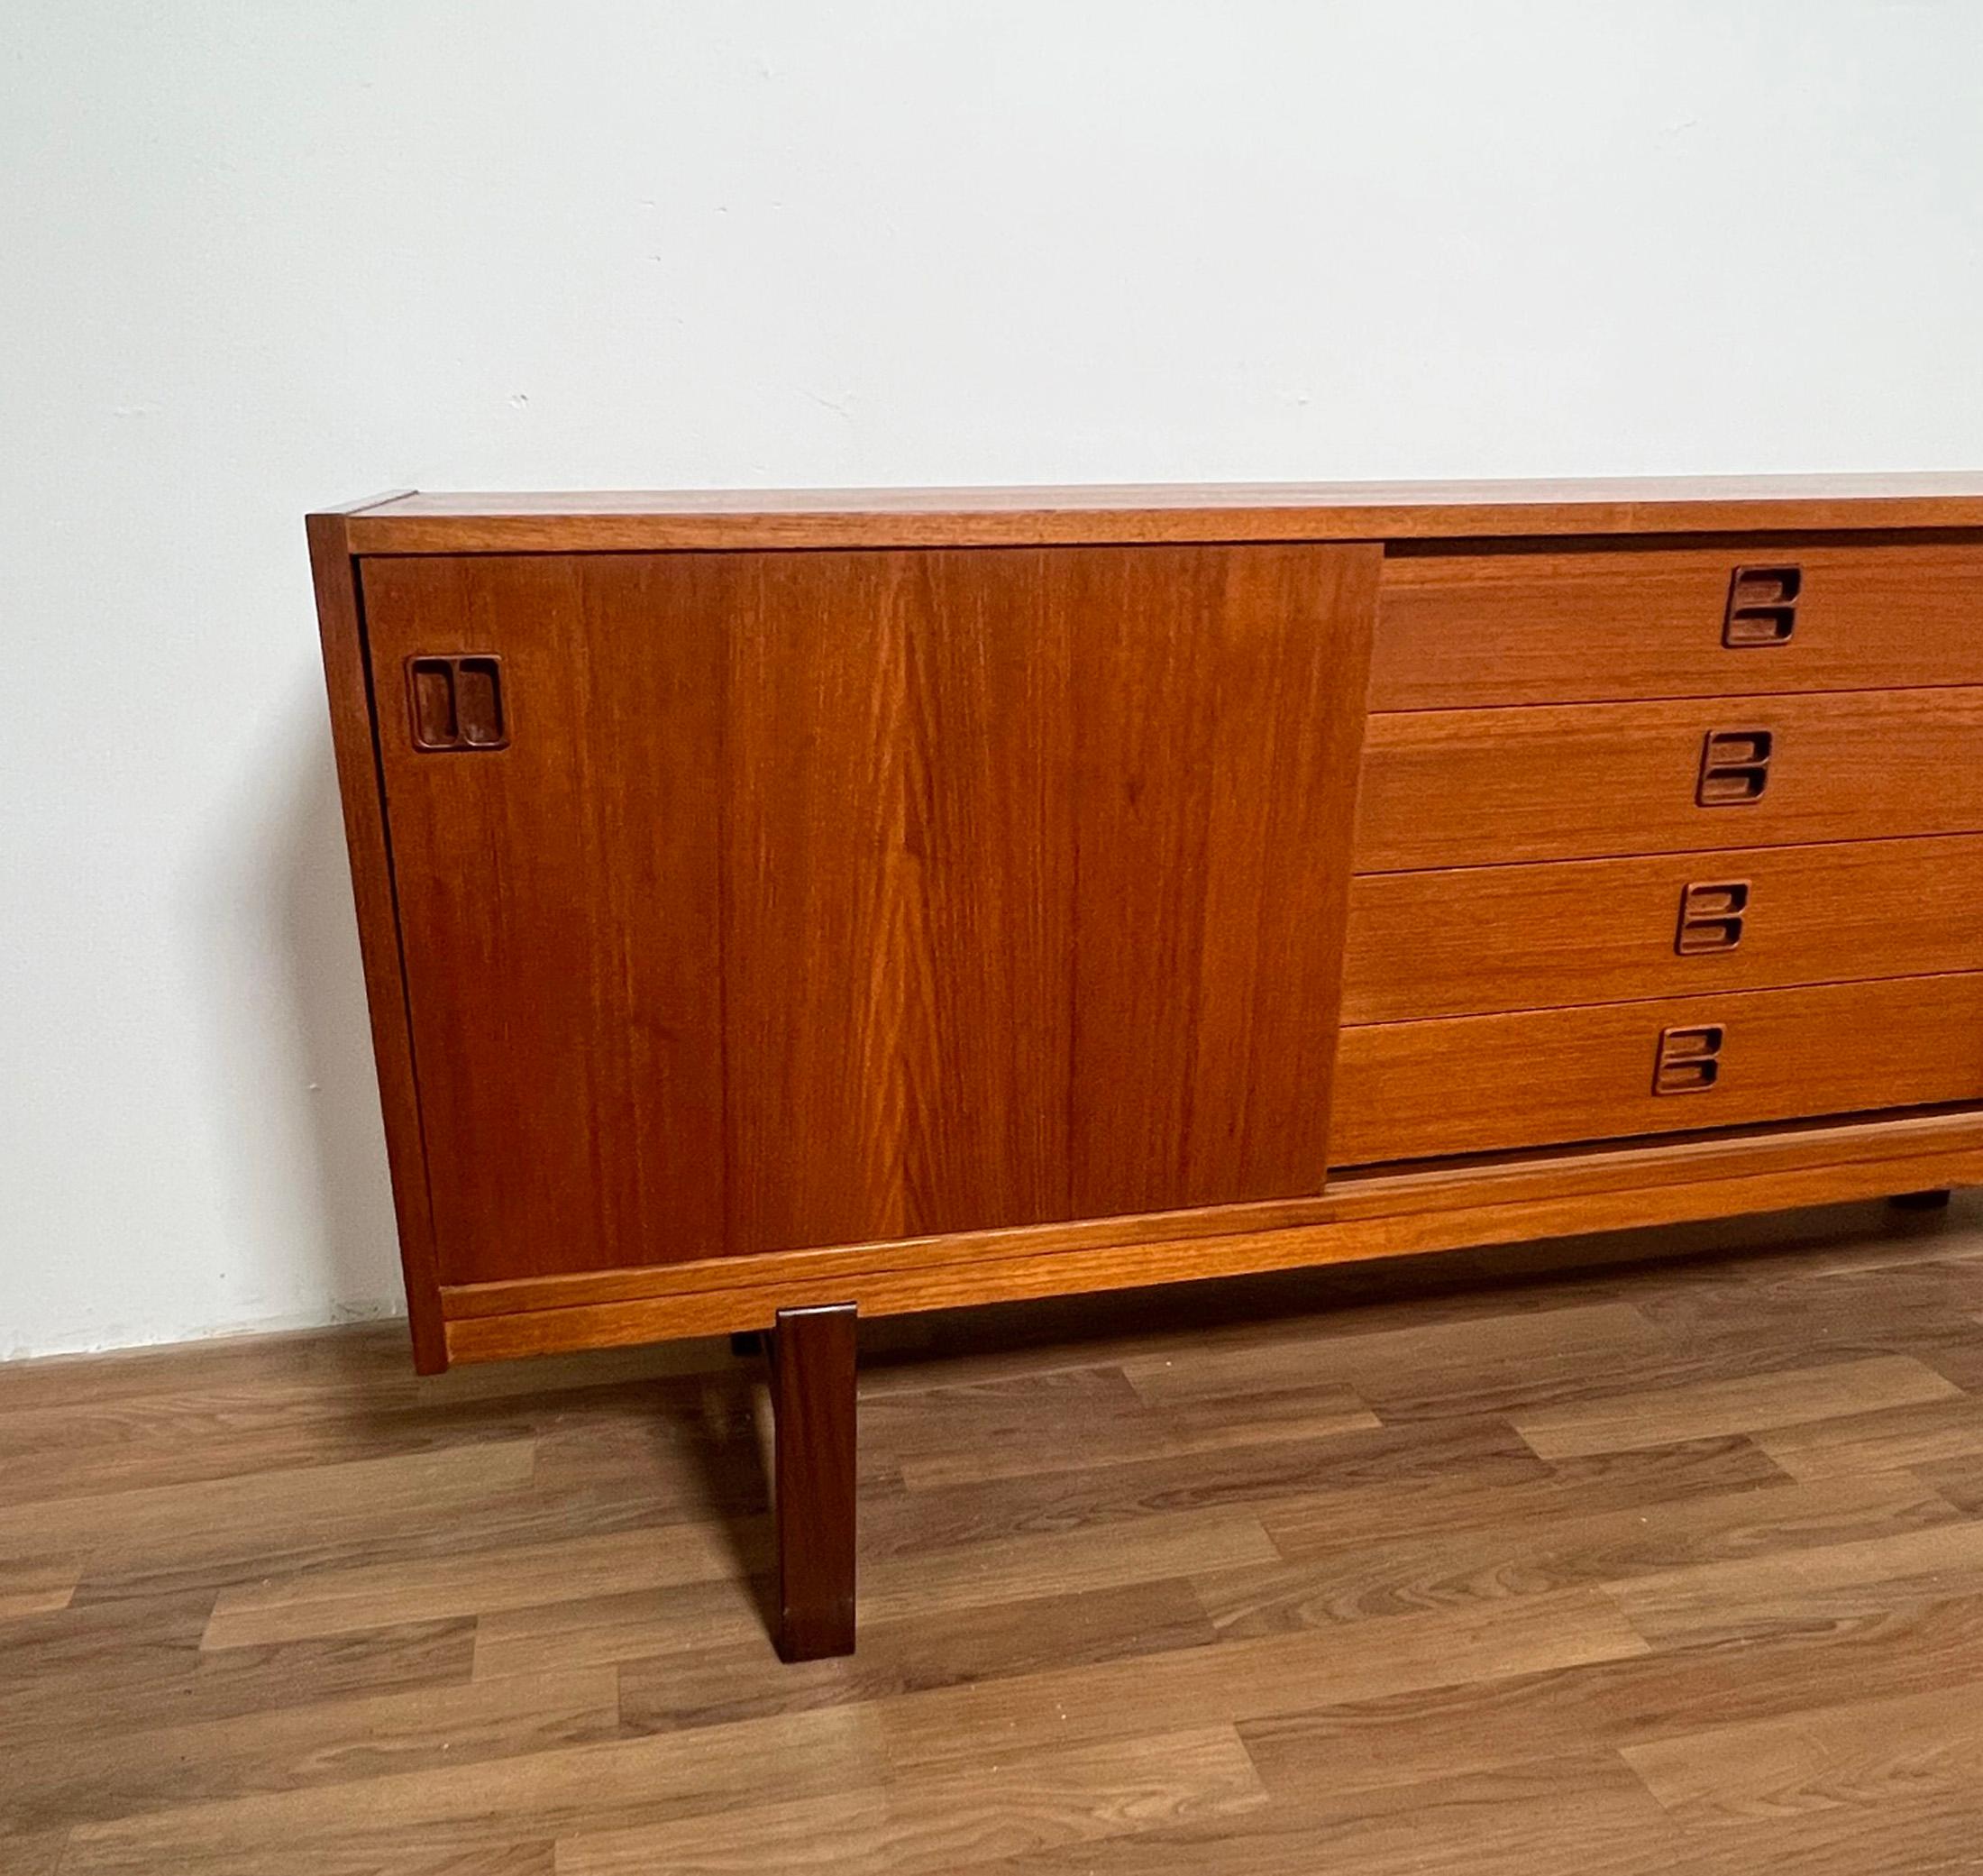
(1482,1084)
(1463,788)
(1521,626)
(1466,940)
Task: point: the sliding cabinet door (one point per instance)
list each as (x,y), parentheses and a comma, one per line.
(759,901)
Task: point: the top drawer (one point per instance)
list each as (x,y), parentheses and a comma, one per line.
(1518,626)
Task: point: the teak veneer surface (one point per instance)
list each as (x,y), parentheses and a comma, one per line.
(439,523)
(1465,941)
(1363,1213)
(1564,781)
(1871,1149)
(990,819)
(1520,1563)
(957,909)
(827,898)
(1479,1083)
(1559,625)
(367,842)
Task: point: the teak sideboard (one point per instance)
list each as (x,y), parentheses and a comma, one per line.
(777,907)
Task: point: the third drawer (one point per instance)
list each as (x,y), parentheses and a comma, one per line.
(1547,1077)
(1466,788)
(1462,941)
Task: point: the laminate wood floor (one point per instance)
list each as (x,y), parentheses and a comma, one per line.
(1654,1552)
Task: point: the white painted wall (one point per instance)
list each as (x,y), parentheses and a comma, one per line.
(256,254)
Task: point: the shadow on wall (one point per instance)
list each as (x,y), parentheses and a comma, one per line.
(318,946)
(298,1098)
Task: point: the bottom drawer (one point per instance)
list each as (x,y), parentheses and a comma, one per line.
(1478,1084)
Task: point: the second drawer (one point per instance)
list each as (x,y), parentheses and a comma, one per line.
(1467,788)
(1482,1084)
(1465,940)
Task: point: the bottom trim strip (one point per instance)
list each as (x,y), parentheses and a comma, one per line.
(1380,1214)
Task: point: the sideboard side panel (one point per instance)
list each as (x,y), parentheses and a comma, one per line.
(340,627)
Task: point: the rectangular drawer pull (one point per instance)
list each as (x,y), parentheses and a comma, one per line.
(1735,766)
(1711,917)
(457,702)
(1762,606)
(1689,1060)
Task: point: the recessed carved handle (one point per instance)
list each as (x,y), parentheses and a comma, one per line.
(1711,917)
(1762,606)
(457,701)
(1735,766)
(1689,1060)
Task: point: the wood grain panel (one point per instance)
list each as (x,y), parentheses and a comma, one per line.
(813,1477)
(1560,1545)
(1930,1832)
(116,1675)
(709,1684)
(1218,700)
(1526,1815)
(823,906)
(347,682)
(990,745)
(1746,1403)
(1879,1440)
(1460,941)
(1457,629)
(177,1761)
(1613,1704)
(369,1597)
(1199,1686)
(1460,788)
(1606,1174)
(1673,1186)
(900,871)
(832,897)
(985,808)
(650,520)
(1477,1084)
(1433,1673)
(558,904)
(1745,1595)
(1048,1802)
(477,1810)
(36,1586)
(1906,1747)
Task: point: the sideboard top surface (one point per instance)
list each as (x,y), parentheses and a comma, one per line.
(440,523)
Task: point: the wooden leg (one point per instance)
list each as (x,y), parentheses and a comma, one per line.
(813,1478)
(1920,1201)
(746,1343)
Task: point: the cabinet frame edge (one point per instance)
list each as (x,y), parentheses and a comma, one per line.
(341,626)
